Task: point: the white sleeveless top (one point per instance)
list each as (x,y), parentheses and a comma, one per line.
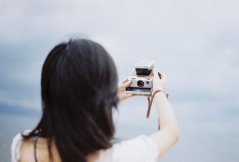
(139,149)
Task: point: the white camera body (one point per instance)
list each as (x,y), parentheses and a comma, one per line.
(141,82)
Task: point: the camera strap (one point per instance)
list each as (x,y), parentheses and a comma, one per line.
(150,102)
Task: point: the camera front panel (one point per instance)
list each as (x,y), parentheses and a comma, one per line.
(141,82)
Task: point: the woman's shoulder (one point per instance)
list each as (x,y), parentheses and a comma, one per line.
(141,148)
(16,146)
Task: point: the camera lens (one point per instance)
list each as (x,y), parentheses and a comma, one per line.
(140,83)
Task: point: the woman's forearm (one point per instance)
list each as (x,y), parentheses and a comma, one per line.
(166,115)
(168,134)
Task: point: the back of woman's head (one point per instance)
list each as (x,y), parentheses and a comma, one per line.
(79,90)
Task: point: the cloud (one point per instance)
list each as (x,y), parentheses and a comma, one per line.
(21,102)
(195,43)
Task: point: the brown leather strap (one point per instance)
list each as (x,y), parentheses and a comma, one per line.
(150,102)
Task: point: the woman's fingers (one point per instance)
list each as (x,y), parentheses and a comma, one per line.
(129,95)
(132,95)
(161,74)
(126,84)
(159,80)
(158,74)
(124,80)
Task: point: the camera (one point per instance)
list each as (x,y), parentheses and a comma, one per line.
(142,78)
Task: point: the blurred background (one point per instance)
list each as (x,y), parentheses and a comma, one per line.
(196,43)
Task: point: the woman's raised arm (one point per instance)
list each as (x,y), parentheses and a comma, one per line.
(168,134)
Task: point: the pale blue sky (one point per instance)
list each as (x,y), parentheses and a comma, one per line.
(194,42)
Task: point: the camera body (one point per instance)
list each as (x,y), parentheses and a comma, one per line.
(141,82)
(142,78)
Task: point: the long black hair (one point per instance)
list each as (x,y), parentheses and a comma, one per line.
(79,91)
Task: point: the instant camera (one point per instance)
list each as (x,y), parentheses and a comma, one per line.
(142,78)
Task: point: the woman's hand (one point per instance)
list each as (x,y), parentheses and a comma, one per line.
(159,81)
(121,89)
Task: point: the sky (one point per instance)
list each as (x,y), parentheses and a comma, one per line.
(194,42)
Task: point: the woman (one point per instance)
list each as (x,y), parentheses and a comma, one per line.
(79,90)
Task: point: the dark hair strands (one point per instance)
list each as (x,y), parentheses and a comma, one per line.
(79,90)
